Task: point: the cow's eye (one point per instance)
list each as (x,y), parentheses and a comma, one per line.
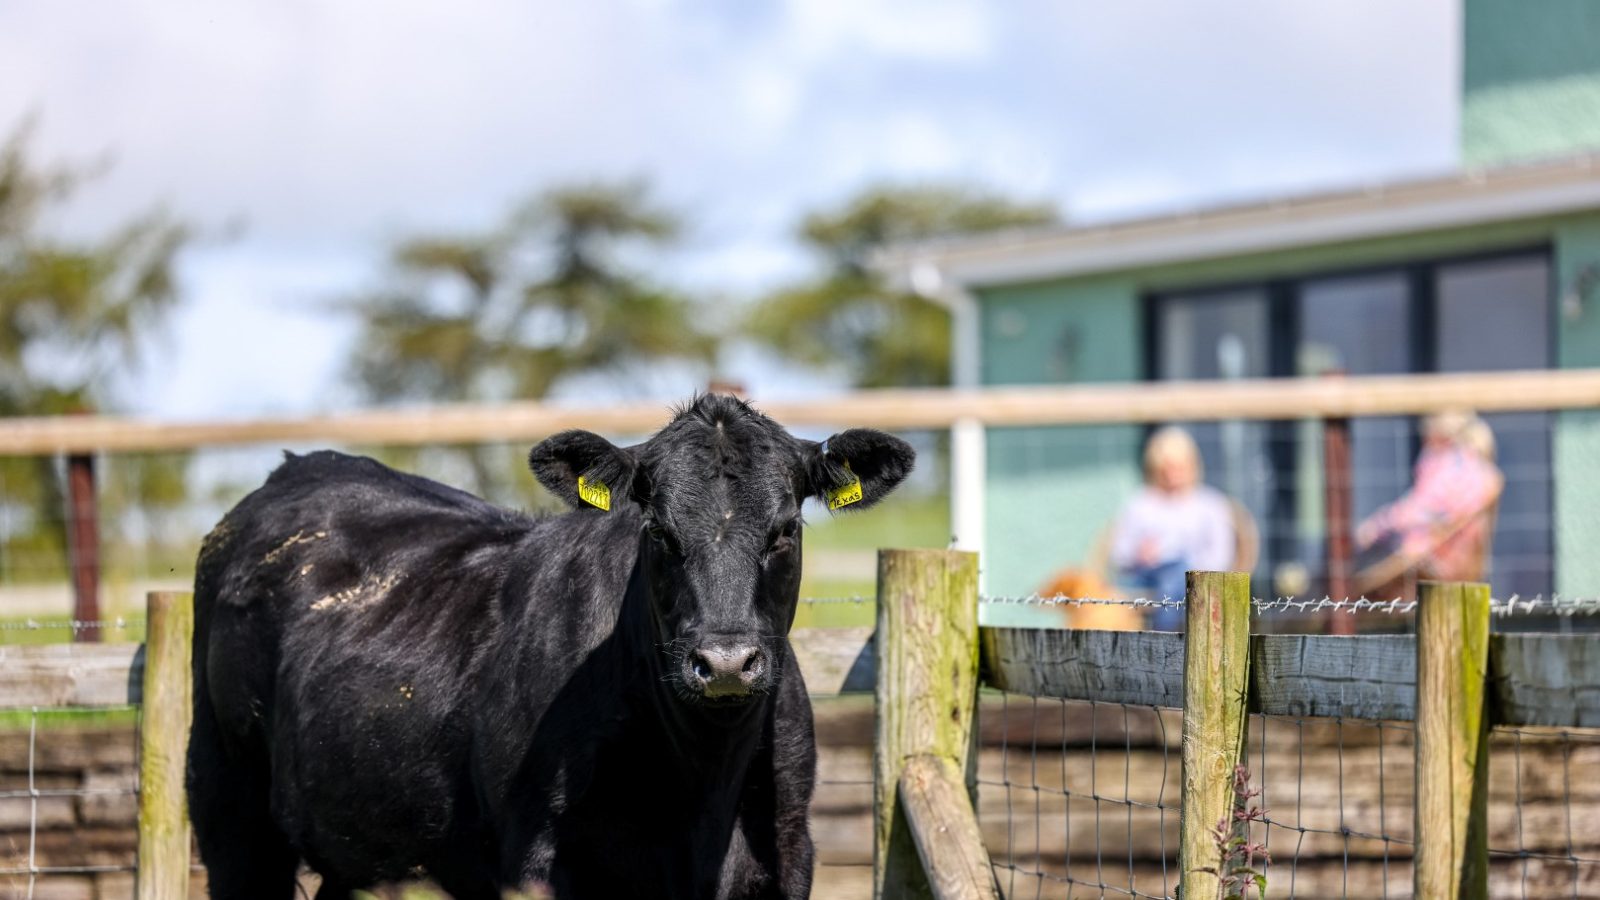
(663,538)
(784,540)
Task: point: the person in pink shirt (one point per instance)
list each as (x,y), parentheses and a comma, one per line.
(1443,522)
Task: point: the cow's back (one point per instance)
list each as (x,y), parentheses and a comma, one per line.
(341,611)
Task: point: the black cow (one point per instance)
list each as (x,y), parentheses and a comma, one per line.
(396,679)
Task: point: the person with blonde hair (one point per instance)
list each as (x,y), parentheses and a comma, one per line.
(1174,524)
(1443,521)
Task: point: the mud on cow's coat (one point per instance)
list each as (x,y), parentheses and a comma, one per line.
(396,679)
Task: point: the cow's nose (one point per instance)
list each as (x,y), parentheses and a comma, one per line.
(727,671)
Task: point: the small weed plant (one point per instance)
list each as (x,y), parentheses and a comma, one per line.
(1238,877)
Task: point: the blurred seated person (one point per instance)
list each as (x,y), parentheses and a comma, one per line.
(1441,527)
(1174,524)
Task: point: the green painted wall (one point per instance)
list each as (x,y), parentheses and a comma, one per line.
(1530,79)
(1053,491)
(1577,436)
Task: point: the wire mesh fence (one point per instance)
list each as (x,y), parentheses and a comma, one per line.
(68,801)
(1076,797)
(1079,798)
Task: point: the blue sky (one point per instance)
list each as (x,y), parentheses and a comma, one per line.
(327,129)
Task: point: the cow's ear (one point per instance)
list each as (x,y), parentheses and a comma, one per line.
(584,469)
(855,469)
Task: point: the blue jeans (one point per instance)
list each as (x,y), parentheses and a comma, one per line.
(1164,581)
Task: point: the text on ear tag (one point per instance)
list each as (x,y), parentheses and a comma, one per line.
(846,495)
(596,494)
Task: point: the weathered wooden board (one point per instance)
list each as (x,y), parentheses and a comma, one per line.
(1353,677)
(1545,679)
(56,675)
(835,660)
(1268,398)
(1142,668)
(1535,679)
(927,693)
(945,828)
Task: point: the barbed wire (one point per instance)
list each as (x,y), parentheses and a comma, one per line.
(72,624)
(1555,604)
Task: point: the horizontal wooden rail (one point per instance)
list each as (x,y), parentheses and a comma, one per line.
(1141,668)
(894,409)
(835,660)
(945,829)
(832,661)
(1534,679)
(1545,679)
(81,675)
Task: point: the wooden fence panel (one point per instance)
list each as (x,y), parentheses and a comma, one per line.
(1143,668)
(58,675)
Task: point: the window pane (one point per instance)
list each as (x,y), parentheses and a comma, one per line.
(1356,325)
(1496,315)
(1224,336)
(1214,336)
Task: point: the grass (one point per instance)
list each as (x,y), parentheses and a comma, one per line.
(848,614)
(58,630)
(841,549)
(58,719)
(910,521)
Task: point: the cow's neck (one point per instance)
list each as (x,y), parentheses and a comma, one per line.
(706,742)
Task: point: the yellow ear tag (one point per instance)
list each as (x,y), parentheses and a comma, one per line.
(844,496)
(594,493)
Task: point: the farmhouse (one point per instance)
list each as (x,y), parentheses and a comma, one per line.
(1495,266)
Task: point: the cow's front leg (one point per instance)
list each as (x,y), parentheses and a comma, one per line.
(771,854)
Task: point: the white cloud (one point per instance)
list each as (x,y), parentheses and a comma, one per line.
(947,31)
(331,127)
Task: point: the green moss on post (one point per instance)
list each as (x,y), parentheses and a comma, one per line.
(163,747)
(927,648)
(1216,679)
(1452,774)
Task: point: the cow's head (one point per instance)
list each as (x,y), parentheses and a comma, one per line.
(720,489)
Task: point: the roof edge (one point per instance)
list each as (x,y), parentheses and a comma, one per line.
(1465,198)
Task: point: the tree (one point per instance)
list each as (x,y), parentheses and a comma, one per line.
(846,316)
(511,312)
(74,316)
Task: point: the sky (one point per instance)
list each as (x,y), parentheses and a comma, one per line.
(305,136)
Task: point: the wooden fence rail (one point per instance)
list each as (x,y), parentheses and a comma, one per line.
(927,658)
(154,676)
(1454,679)
(932,408)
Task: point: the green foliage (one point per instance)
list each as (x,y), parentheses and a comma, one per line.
(510,312)
(846,316)
(74,317)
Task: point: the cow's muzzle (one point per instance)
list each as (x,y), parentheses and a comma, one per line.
(726,670)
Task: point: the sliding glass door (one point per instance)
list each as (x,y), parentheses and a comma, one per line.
(1450,316)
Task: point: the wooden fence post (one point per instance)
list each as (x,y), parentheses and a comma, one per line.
(927,648)
(163,747)
(1337,476)
(83,544)
(1452,774)
(1216,679)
